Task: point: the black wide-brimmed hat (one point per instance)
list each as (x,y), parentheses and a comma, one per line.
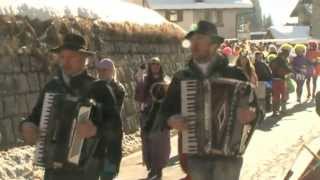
(206,28)
(73,42)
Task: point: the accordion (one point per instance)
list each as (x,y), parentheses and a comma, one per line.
(59,144)
(210,108)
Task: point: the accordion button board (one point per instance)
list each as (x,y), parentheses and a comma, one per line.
(45,116)
(189,138)
(59,143)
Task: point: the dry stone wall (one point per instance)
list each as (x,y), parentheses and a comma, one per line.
(26,64)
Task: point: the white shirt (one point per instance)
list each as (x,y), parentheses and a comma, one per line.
(66,78)
(204,67)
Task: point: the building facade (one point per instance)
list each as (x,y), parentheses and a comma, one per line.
(303,11)
(308,14)
(143,3)
(230,16)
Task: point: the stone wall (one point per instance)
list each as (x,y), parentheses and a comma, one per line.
(26,64)
(21,78)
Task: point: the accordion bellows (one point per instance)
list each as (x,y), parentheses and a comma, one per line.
(59,143)
(210,107)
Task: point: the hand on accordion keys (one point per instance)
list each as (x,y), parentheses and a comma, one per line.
(246,114)
(177,122)
(29,132)
(86,129)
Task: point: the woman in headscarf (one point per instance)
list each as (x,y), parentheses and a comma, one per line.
(155,145)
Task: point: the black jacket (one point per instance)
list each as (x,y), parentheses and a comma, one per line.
(110,95)
(79,86)
(280,68)
(172,103)
(263,71)
(106,118)
(119,92)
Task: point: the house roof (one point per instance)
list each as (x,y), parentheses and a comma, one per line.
(258,33)
(281,41)
(114,11)
(206,4)
(143,3)
(305,7)
(290,32)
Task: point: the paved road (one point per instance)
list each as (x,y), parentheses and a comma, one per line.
(270,154)
(132,168)
(275,145)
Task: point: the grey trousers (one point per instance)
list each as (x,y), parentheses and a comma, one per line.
(220,168)
(91,172)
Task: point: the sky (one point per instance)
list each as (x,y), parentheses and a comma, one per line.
(279,10)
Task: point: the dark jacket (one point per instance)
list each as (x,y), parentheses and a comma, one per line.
(279,68)
(110,95)
(79,86)
(263,71)
(172,103)
(151,108)
(119,92)
(85,87)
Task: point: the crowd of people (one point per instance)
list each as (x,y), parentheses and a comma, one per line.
(277,69)
(274,70)
(269,69)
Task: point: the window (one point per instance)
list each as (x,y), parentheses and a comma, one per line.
(208,15)
(174,15)
(220,18)
(203,14)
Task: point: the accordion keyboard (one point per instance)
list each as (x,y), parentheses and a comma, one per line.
(188,109)
(45,116)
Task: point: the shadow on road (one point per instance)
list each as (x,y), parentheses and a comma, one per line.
(301,107)
(270,122)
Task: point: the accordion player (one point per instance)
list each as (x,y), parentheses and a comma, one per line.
(59,144)
(210,109)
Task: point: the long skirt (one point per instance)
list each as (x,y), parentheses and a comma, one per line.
(159,147)
(155,148)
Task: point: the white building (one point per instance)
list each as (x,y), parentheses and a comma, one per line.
(228,15)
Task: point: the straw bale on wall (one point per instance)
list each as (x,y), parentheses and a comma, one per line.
(26,64)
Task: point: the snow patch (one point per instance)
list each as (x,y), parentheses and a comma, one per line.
(109,11)
(290,32)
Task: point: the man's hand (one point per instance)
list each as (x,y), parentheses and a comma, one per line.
(246,114)
(86,129)
(177,122)
(29,132)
